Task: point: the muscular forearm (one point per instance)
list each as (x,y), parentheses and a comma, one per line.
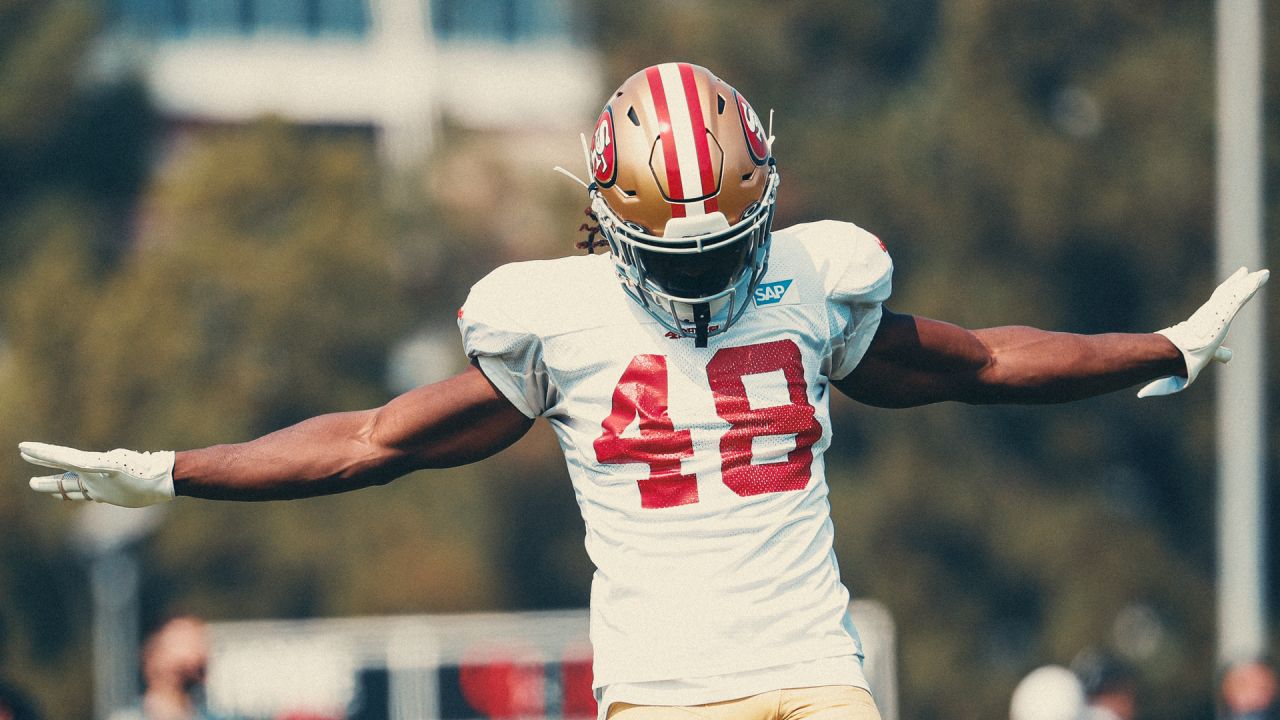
(453,422)
(1036,366)
(916,361)
(323,455)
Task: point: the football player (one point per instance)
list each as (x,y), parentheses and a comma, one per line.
(691,403)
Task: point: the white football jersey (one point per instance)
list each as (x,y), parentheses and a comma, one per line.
(699,471)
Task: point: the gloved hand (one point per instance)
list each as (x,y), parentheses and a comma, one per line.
(119,477)
(1200,336)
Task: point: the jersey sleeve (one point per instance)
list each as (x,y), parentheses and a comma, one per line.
(508,353)
(860,280)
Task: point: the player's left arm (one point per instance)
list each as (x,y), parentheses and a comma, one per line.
(916,361)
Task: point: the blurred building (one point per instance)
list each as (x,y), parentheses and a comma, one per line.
(399,68)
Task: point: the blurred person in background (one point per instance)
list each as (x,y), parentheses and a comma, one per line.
(1051,692)
(687,375)
(1110,685)
(15,705)
(1249,691)
(175,659)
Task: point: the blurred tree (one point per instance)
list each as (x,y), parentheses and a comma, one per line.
(260,289)
(61,137)
(72,159)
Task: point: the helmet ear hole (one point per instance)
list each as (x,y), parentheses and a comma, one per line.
(720,104)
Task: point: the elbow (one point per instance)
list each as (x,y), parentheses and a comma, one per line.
(374,459)
(990,381)
(1013,383)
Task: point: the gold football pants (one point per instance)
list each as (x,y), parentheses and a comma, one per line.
(830,702)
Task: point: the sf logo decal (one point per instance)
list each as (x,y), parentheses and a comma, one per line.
(604,154)
(757,142)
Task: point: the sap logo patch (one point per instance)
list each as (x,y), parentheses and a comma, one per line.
(771,293)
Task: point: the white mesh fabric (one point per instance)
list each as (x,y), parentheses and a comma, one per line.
(739,573)
(508,353)
(858,276)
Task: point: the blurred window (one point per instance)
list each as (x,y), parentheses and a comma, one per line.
(508,21)
(172,18)
(216,17)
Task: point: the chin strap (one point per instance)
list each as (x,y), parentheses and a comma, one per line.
(701,319)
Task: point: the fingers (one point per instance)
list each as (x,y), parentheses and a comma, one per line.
(66,486)
(46,455)
(1242,281)
(1245,287)
(1246,283)
(1236,291)
(59,457)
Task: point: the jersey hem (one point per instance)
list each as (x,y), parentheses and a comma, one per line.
(777,659)
(844,669)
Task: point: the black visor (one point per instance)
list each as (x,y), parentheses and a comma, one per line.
(696,275)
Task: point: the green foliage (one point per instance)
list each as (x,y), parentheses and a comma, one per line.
(63,140)
(212,328)
(40,48)
(71,160)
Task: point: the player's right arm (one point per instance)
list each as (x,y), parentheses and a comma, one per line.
(460,420)
(449,423)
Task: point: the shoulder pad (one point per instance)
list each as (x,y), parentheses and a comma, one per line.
(855,265)
(540,297)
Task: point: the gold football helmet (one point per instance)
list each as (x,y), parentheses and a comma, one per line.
(683,185)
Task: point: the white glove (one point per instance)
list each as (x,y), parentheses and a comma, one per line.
(1200,336)
(119,477)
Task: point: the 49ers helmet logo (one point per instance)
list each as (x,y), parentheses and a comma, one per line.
(604,153)
(757,141)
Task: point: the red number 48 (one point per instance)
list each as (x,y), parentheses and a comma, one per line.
(641,394)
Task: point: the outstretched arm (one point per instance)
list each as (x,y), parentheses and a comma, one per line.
(449,423)
(916,361)
(456,421)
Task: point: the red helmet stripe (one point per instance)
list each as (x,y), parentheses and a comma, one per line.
(667,136)
(700,142)
(686,145)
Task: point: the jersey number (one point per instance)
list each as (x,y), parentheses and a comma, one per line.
(641,395)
